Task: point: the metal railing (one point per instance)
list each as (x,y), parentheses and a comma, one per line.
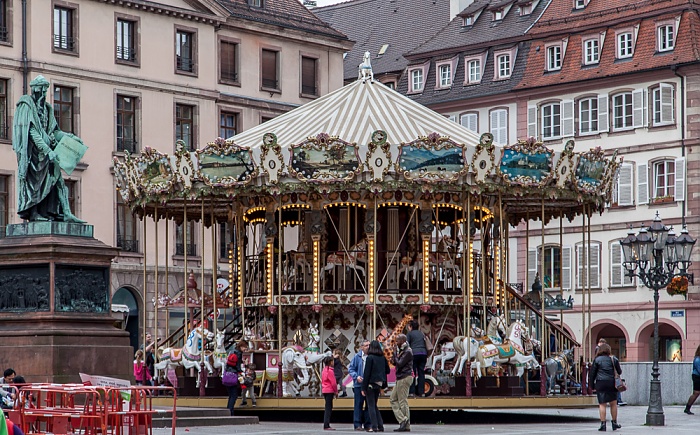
(127,145)
(231,76)
(309,90)
(64,42)
(191,249)
(3,34)
(270,83)
(126,53)
(185,64)
(128,245)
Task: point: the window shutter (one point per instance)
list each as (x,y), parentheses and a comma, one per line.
(308,75)
(603,112)
(503,126)
(269,69)
(580,278)
(666,92)
(616,270)
(532,121)
(566,267)
(638,108)
(642,184)
(469,121)
(625,187)
(499,127)
(679,191)
(593,262)
(567,118)
(531,267)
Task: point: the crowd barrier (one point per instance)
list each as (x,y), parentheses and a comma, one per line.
(63,409)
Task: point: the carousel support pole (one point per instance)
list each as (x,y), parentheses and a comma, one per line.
(155,294)
(561,275)
(373,269)
(280,248)
(186,327)
(527,262)
(202,372)
(145,282)
(468,297)
(167,280)
(501,260)
(241,253)
(583,298)
(214,268)
(543,372)
(588,280)
(482,279)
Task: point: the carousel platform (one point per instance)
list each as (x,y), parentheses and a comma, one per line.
(420,403)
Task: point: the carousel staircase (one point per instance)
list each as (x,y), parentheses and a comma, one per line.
(195,417)
(233,330)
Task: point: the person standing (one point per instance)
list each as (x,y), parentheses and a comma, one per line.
(248,385)
(233,363)
(149,358)
(339,371)
(602,376)
(416,341)
(7,396)
(360,417)
(402,359)
(696,382)
(141,373)
(373,381)
(329,388)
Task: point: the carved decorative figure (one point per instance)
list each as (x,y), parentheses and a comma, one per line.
(510,352)
(364,71)
(189,356)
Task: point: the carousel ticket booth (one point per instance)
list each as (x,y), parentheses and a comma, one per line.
(349,213)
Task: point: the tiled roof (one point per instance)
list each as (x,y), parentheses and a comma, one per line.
(484,31)
(403,24)
(290,14)
(474,7)
(645,55)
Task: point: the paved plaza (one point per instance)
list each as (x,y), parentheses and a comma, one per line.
(496,421)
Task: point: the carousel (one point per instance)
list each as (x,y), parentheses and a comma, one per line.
(348,217)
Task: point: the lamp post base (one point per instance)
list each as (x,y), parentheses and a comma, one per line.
(655,412)
(655,419)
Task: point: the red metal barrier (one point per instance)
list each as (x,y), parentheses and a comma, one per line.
(134,416)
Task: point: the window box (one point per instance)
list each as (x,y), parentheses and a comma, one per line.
(663,200)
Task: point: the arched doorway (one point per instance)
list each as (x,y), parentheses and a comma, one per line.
(125,296)
(670,342)
(615,337)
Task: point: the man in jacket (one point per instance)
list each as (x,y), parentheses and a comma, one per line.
(356,368)
(403,361)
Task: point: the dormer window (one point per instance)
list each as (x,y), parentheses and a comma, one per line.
(468,20)
(525,10)
(666,37)
(504,61)
(624,45)
(498,15)
(554,58)
(591,51)
(580,4)
(255,3)
(445,75)
(416,80)
(503,66)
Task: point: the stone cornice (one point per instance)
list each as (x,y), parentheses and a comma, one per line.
(161,9)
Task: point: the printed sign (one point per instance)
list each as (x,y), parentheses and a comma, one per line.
(679,313)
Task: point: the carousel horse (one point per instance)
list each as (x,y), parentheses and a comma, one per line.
(349,260)
(510,352)
(216,359)
(295,357)
(558,368)
(447,353)
(249,337)
(495,331)
(364,70)
(189,356)
(445,259)
(314,339)
(461,346)
(297,259)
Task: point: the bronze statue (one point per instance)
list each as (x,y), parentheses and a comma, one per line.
(41,153)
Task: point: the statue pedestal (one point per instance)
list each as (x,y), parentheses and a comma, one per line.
(55,301)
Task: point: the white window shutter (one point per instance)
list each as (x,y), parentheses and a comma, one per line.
(566,267)
(603,112)
(580,278)
(453,118)
(470,121)
(503,126)
(666,92)
(499,121)
(567,118)
(638,108)
(594,265)
(642,184)
(532,121)
(531,268)
(616,269)
(679,191)
(625,185)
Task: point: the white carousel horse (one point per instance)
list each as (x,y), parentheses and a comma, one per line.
(293,357)
(461,346)
(364,70)
(216,359)
(447,353)
(350,259)
(297,259)
(510,352)
(495,330)
(314,339)
(189,356)
(559,367)
(249,337)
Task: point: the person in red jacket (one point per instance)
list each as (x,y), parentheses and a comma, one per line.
(329,388)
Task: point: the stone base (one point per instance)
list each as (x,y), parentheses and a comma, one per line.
(504,386)
(49,228)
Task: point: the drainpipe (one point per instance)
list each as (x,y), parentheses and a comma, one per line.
(674,68)
(25,62)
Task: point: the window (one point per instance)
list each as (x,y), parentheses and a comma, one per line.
(256,3)
(184,51)
(127,225)
(416,80)
(662,104)
(498,15)
(63,108)
(623,189)
(551,121)
(591,50)
(4,203)
(499,126)
(228,125)
(580,4)
(664,179)
(468,21)
(470,121)
(4,21)
(126,124)
(554,58)
(588,115)
(525,9)
(228,61)
(557,266)
(4,99)
(179,237)
(665,37)
(503,66)
(225,240)
(309,77)
(618,276)
(64,29)
(390,85)
(474,68)
(184,125)
(624,45)
(71,186)
(445,75)
(270,76)
(591,258)
(126,40)
(622,111)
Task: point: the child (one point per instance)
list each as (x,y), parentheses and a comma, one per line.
(248,389)
(338,370)
(141,373)
(329,388)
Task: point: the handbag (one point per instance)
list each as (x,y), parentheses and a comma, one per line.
(620,384)
(230,378)
(428,344)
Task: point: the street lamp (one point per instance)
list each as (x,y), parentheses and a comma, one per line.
(655,255)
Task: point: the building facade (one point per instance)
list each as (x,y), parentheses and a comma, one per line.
(136,74)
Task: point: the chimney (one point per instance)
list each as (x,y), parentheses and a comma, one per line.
(457,6)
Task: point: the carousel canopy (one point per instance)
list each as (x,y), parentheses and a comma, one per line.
(365,141)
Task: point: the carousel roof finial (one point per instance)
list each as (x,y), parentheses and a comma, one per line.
(364,71)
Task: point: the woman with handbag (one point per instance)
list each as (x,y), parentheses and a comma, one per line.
(232,372)
(373,381)
(417,342)
(603,372)
(696,382)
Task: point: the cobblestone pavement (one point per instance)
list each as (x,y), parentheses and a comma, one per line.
(496,421)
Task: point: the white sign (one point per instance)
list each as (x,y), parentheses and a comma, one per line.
(221,285)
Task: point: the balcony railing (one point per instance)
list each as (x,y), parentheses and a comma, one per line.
(308,90)
(191,249)
(230,76)
(128,245)
(3,34)
(64,42)
(127,145)
(185,64)
(270,83)
(126,53)
(4,130)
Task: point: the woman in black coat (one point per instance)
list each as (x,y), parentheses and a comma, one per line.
(373,381)
(602,377)
(233,363)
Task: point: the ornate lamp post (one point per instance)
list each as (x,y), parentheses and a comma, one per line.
(655,255)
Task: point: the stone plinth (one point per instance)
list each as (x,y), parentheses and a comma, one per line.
(55,303)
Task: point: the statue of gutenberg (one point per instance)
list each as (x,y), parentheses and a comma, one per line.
(42,193)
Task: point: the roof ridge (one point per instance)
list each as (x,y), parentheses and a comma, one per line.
(601,13)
